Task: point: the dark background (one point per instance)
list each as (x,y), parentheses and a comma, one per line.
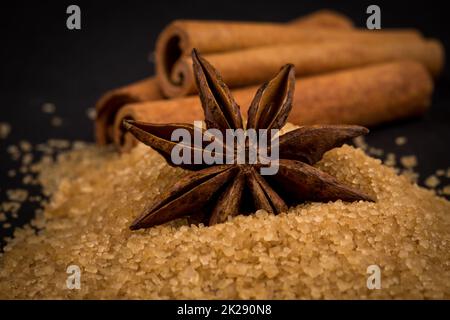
(42,61)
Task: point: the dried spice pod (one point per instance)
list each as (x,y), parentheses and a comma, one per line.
(190,195)
(300,180)
(316,140)
(229,202)
(273,101)
(222,187)
(221,111)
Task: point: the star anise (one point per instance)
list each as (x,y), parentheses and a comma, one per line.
(212,193)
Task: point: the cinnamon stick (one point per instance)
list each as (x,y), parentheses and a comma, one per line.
(366,96)
(212,37)
(256,65)
(108,105)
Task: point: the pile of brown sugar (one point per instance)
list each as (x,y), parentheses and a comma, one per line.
(315,250)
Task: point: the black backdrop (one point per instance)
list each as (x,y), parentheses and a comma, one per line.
(42,61)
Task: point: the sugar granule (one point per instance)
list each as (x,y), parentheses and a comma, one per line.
(446,190)
(400,141)
(360,142)
(376,151)
(432,181)
(315,250)
(14,152)
(410,175)
(56,121)
(25,146)
(5,129)
(10,206)
(48,107)
(58,143)
(91,113)
(18,195)
(408,161)
(390,160)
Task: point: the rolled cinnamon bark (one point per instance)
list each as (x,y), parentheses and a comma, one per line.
(366,96)
(108,105)
(256,65)
(180,37)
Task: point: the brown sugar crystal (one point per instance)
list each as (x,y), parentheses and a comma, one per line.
(314,250)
